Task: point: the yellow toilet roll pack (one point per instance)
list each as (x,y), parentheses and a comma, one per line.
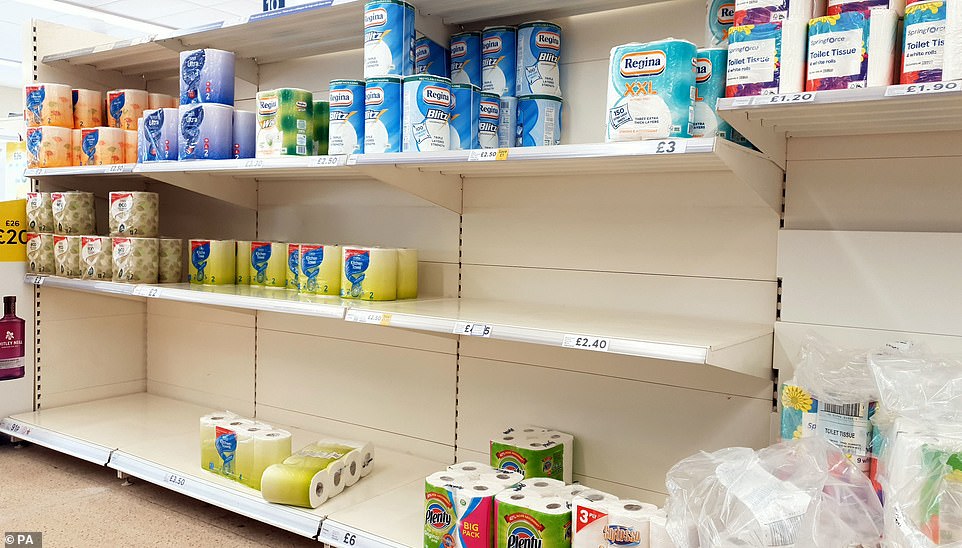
(317,472)
(241,449)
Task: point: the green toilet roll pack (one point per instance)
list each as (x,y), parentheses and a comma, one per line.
(534,451)
(285,123)
(322,124)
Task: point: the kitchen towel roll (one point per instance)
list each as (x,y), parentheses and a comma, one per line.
(629,522)
(590,521)
(440,517)
(322,123)
(49,146)
(209,458)
(382,115)
(268,266)
(651,88)
(242,263)
(135,260)
(369,273)
(388,38)
(170,260)
(489,120)
(39,212)
(96,257)
(320,270)
(73,212)
(465,116)
(66,256)
(710,66)
(207,76)
(48,105)
(212,262)
(474,506)
(932,42)
(466,58)
(431,58)
(539,120)
(499,60)
(721,15)
(160,100)
(362,450)
(766,59)
(756,12)
(285,123)
(88,108)
(528,519)
(102,146)
(539,57)
(427,114)
(124,106)
(159,134)
(245,134)
(271,447)
(134,214)
(533,451)
(852,50)
(508,125)
(40,258)
(206,132)
(407,273)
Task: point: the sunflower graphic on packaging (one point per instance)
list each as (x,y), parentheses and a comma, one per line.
(796,402)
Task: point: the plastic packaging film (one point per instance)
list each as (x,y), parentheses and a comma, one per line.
(369,273)
(534,451)
(207,76)
(427,114)
(124,106)
(102,146)
(539,56)
(268,265)
(285,122)
(293,279)
(66,255)
(360,452)
(306,478)
(320,270)
(135,260)
(73,212)
(242,263)
(96,258)
(209,458)
(407,273)
(88,108)
(134,214)
(205,132)
(40,258)
(346,124)
(49,146)
(383,123)
(835,7)
(211,262)
(39,212)
(48,105)
(170,260)
(499,59)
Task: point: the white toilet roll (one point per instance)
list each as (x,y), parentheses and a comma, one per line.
(629,523)
(365,450)
(471,469)
(506,478)
(339,477)
(590,515)
(542,486)
(658,534)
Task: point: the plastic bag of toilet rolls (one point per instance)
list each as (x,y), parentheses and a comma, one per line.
(96,258)
(40,258)
(135,260)
(134,214)
(73,212)
(170,260)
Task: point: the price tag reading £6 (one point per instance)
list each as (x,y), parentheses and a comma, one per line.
(585,342)
(343,537)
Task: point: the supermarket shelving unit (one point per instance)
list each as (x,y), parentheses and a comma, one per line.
(700,270)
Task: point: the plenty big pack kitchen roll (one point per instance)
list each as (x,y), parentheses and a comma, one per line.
(124,106)
(369,273)
(40,258)
(211,262)
(66,256)
(244,144)
(766,59)
(459,508)
(88,108)
(268,265)
(320,269)
(159,135)
(534,451)
(206,132)
(48,105)
(754,12)
(852,50)
(73,212)
(285,123)
(48,146)
(207,76)
(134,214)
(650,90)
(96,258)
(932,42)
(170,260)
(101,146)
(135,260)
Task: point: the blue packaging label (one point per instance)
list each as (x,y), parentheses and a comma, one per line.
(508,127)
(356,262)
(923,42)
(207,76)
(190,125)
(539,120)
(539,53)
(431,58)
(88,145)
(199,255)
(35,96)
(651,89)
(293,266)
(260,257)
(346,130)
(466,58)
(388,38)
(721,16)
(465,106)
(489,120)
(753,54)
(116,106)
(499,59)
(710,67)
(427,113)
(226,445)
(382,113)
(838,52)
(155,146)
(190,71)
(34,140)
(311,259)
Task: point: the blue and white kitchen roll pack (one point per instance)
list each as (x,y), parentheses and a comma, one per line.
(766,59)
(499,60)
(465,116)
(539,57)
(431,58)
(388,38)
(710,66)
(721,15)
(244,142)
(206,132)
(157,137)
(346,133)
(852,50)
(382,114)
(427,113)
(207,76)
(466,58)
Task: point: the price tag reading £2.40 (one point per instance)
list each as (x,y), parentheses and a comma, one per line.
(585,342)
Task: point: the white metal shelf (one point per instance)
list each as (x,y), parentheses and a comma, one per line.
(437,176)
(741,347)
(868,111)
(155,439)
(381,521)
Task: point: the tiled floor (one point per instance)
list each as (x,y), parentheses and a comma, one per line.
(77,504)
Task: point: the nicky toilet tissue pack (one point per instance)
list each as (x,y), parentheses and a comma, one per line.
(534,451)
(604,520)
(459,506)
(241,449)
(932,42)
(317,472)
(852,50)
(766,59)
(40,259)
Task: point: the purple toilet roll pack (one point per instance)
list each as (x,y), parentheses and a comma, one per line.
(206,132)
(157,140)
(207,76)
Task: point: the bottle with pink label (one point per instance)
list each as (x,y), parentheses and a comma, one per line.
(11,341)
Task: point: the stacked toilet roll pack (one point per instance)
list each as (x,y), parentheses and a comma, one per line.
(534,451)
(132,252)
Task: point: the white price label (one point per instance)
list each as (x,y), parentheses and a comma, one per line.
(785,98)
(671,146)
(174,479)
(17,429)
(116,168)
(146,291)
(343,537)
(36,280)
(473,329)
(928,87)
(253,164)
(352,160)
(373,318)
(329,161)
(585,342)
(488,155)
(38,172)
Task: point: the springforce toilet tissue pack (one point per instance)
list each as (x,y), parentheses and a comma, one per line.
(852,50)
(766,59)
(534,451)
(754,12)
(836,7)
(932,42)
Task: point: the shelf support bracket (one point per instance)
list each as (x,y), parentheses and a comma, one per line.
(240,192)
(438,188)
(763,178)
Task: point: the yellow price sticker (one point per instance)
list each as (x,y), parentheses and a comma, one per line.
(13,215)
(502,155)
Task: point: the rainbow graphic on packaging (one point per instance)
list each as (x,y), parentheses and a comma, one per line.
(499,52)
(534,451)
(427,114)
(388,38)
(439,517)
(927,30)
(539,54)
(753,60)
(529,521)
(466,58)
(838,52)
